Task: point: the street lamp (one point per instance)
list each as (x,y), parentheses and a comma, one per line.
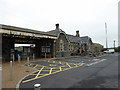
(114,44)
(106,34)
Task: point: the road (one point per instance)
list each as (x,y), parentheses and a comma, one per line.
(76,73)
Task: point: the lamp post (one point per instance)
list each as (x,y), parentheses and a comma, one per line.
(106,34)
(114,44)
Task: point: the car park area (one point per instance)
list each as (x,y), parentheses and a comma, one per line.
(67,72)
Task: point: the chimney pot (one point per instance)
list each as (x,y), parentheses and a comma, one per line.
(77,33)
(57,26)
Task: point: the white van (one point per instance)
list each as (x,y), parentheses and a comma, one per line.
(109,51)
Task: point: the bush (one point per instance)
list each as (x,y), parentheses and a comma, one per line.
(117,49)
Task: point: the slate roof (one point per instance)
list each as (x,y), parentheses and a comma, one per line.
(55,32)
(79,40)
(85,39)
(71,38)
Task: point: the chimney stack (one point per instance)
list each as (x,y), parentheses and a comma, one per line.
(57,26)
(77,33)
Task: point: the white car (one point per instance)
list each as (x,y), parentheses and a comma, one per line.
(109,51)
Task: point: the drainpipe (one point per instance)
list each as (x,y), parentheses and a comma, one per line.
(55,49)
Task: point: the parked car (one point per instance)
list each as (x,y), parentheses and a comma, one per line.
(109,51)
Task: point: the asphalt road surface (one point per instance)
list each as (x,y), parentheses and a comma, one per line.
(75,73)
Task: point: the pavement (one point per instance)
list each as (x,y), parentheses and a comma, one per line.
(75,72)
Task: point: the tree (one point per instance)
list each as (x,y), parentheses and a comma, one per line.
(117,49)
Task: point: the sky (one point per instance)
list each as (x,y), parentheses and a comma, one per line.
(87,16)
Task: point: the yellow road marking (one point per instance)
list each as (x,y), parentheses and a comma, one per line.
(59,62)
(76,64)
(50,70)
(53,61)
(45,70)
(81,64)
(68,65)
(52,65)
(36,66)
(36,74)
(31,64)
(60,69)
(46,74)
(39,72)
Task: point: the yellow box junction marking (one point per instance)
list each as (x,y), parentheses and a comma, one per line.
(36,66)
(52,65)
(68,65)
(39,71)
(52,70)
(60,69)
(59,62)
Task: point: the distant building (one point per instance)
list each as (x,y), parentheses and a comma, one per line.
(96,47)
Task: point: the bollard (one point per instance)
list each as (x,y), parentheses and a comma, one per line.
(37,87)
(28,60)
(0,78)
(18,58)
(13,59)
(33,56)
(10,70)
(45,55)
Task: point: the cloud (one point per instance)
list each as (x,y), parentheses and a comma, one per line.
(88,16)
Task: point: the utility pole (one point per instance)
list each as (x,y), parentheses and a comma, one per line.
(106,34)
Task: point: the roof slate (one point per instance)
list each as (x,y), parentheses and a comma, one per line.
(71,38)
(79,40)
(55,32)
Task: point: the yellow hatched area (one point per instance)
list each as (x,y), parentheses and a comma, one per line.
(52,68)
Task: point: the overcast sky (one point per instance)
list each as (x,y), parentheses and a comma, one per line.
(87,16)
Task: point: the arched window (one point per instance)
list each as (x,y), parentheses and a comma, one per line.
(61,45)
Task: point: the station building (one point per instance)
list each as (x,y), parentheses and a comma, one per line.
(11,35)
(54,43)
(67,45)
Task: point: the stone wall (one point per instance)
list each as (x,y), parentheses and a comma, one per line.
(64,52)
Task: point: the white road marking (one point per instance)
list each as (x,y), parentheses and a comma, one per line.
(96,62)
(95,59)
(80,63)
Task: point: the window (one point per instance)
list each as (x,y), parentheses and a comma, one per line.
(61,45)
(45,49)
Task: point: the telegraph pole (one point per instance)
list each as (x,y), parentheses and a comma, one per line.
(106,34)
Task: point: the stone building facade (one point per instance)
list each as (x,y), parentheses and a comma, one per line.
(67,45)
(62,48)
